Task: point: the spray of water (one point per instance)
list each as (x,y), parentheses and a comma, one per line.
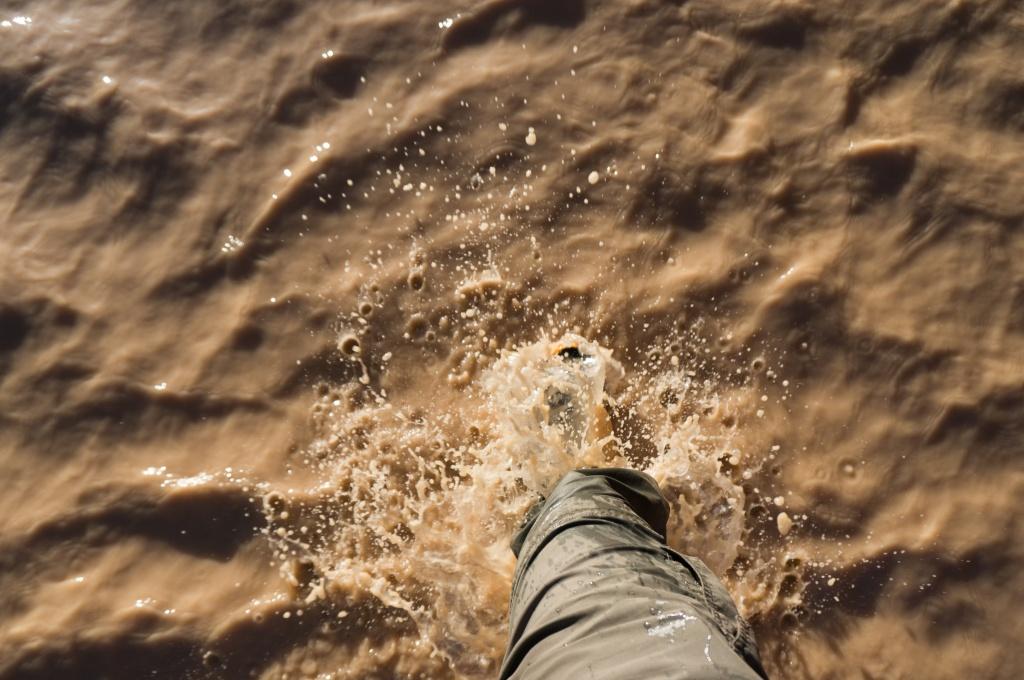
(401,540)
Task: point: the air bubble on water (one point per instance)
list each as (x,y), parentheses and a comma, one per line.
(16,21)
(349,345)
(232,244)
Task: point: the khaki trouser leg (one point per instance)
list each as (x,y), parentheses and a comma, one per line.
(597,593)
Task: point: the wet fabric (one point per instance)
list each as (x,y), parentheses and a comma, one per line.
(597,594)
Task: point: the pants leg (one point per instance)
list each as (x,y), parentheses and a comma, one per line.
(597,594)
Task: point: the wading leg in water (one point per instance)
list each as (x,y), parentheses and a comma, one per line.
(598,594)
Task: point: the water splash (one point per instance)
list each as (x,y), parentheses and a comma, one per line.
(409,515)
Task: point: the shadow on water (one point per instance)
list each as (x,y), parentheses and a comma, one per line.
(510,16)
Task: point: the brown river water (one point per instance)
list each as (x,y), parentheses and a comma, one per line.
(280,283)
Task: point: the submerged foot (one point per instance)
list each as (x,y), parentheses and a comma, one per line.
(565,396)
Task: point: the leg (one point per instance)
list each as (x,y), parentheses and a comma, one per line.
(598,594)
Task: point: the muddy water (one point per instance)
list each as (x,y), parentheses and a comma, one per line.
(279,284)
